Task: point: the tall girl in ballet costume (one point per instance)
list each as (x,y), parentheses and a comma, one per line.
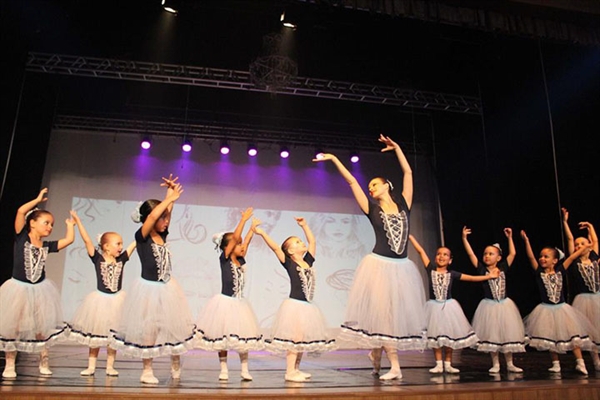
(554,325)
(156,319)
(228,321)
(30,309)
(299,325)
(386,302)
(586,278)
(497,321)
(447,327)
(101,310)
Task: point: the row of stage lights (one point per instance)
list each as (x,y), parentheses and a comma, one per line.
(284,152)
(172,6)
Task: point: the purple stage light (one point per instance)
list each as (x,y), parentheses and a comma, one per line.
(187,145)
(354,158)
(284,152)
(252,150)
(146,144)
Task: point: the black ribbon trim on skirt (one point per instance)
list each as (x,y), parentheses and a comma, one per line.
(501,344)
(326,342)
(586,337)
(452,339)
(52,336)
(154,346)
(85,334)
(223,338)
(381,335)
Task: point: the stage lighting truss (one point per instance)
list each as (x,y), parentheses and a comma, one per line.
(211,132)
(244,80)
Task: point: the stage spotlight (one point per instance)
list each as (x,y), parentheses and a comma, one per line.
(284,152)
(354,158)
(186,145)
(171,6)
(252,150)
(224,147)
(287,22)
(318,153)
(146,142)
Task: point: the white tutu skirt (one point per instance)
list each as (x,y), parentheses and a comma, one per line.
(228,323)
(96,317)
(30,316)
(589,305)
(156,321)
(299,326)
(386,305)
(447,325)
(558,328)
(499,327)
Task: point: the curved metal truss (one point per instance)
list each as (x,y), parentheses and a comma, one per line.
(242,80)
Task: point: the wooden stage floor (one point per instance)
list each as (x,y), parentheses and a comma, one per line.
(337,375)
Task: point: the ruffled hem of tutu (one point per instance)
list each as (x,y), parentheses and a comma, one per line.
(562,346)
(453,343)
(278,345)
(367,340)
(35,345)
(141,351)
(88,339)
(229,342)
(513,347)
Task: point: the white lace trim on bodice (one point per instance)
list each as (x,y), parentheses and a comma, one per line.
(591,275)
(440,281)
(238,280)
(35,261)
(308,279)
(111,273)
(396,230)
(498,286)
(553,284)
(162,257)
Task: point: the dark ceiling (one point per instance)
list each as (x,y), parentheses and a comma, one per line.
(404,44)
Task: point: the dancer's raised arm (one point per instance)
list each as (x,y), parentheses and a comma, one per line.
(529,251)
(472,257)
(592,236)
(419,250)
(21,216)
(512,252)
(567,230)
(407,180)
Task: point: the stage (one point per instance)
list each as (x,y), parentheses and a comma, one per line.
(340,374)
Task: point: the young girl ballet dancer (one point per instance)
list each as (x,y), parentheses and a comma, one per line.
(386,302)
(156,319)
(497,321)
(586,279)
(101,310)
(31,317)
(554,325)
(299,325)
(447,327)
(228,321)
